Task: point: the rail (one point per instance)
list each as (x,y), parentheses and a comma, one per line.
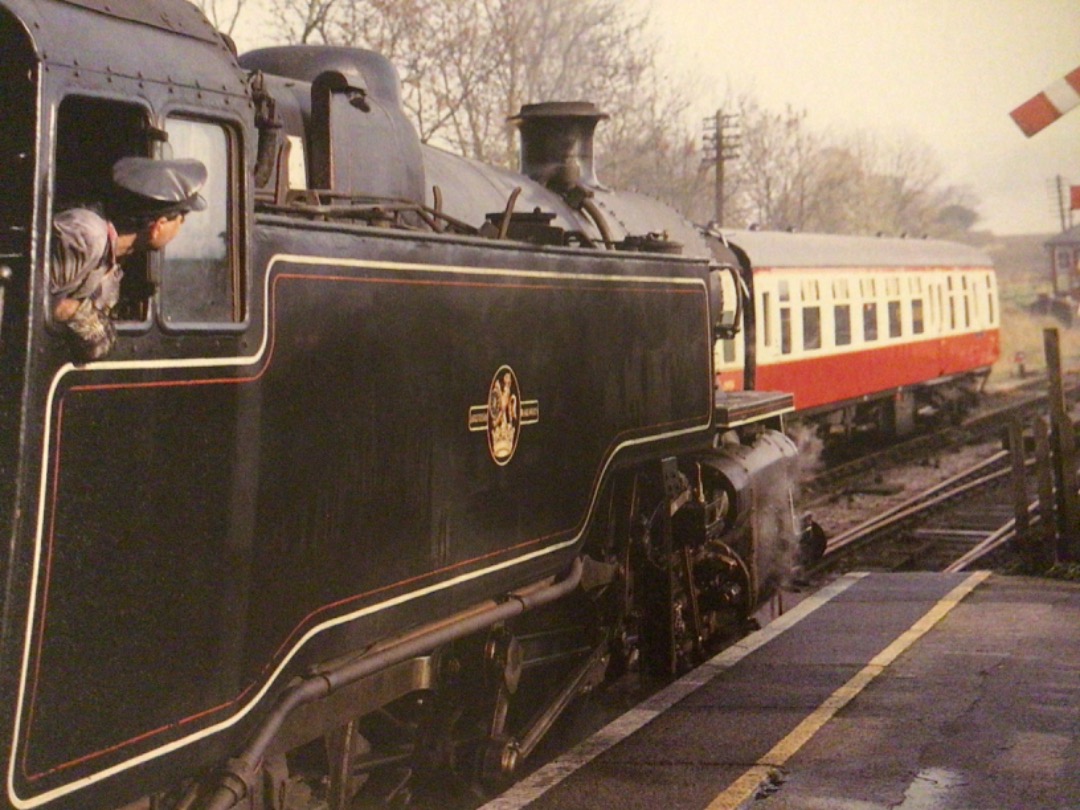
(952,487)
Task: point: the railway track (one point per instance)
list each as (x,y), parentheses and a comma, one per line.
(962,501)
(930,530)
(986,425)
(615,699)
(947,526)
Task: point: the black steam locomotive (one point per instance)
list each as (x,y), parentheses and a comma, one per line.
(395,454)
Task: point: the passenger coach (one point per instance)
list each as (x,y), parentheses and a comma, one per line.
(867,332)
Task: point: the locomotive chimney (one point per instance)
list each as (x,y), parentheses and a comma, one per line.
(557,143)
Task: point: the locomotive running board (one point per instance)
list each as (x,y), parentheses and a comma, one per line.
(737,408)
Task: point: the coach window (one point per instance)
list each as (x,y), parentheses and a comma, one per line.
(842,312)
(766,310)
(967,296)
(868,290)
(991,314)
(784,294)
(951,291)
(811,315)
(895,328)
(975,282)
(200,281)
(727,347)
(918,325)
(892,292)
(869,313)
(931,312)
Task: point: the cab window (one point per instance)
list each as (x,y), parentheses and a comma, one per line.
(83,178)
(200,278)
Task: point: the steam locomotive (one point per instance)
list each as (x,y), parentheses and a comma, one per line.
(395,455)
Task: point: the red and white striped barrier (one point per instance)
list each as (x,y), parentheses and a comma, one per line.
(1046,107)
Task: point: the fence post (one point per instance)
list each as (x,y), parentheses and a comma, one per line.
(1045,549)
(1019,488)
(1064,446)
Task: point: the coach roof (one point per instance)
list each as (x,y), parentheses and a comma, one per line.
(783,249)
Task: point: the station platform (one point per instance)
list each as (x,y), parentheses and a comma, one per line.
(918,691)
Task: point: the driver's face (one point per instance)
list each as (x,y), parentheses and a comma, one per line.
(163,230)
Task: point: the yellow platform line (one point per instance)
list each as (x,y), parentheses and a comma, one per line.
(742,790)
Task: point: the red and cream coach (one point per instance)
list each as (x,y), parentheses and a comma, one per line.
(867,332)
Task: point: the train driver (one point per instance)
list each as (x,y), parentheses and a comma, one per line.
(145,211)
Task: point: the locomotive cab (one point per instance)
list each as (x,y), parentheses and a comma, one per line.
(74,99)
(196,285)
(113,103)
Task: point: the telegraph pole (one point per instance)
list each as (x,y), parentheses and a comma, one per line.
(721,143)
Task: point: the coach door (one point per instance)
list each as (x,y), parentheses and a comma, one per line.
(18,80)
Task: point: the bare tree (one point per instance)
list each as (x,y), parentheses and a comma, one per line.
(224,14)
(896,186)
(467,65)
(775,179)
(301,22)
(792,177)
(445,51)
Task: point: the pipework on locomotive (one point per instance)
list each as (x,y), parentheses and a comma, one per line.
(395,454)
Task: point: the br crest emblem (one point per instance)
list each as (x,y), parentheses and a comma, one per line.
(503,415)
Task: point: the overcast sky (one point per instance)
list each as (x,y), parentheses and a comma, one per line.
(946,72)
